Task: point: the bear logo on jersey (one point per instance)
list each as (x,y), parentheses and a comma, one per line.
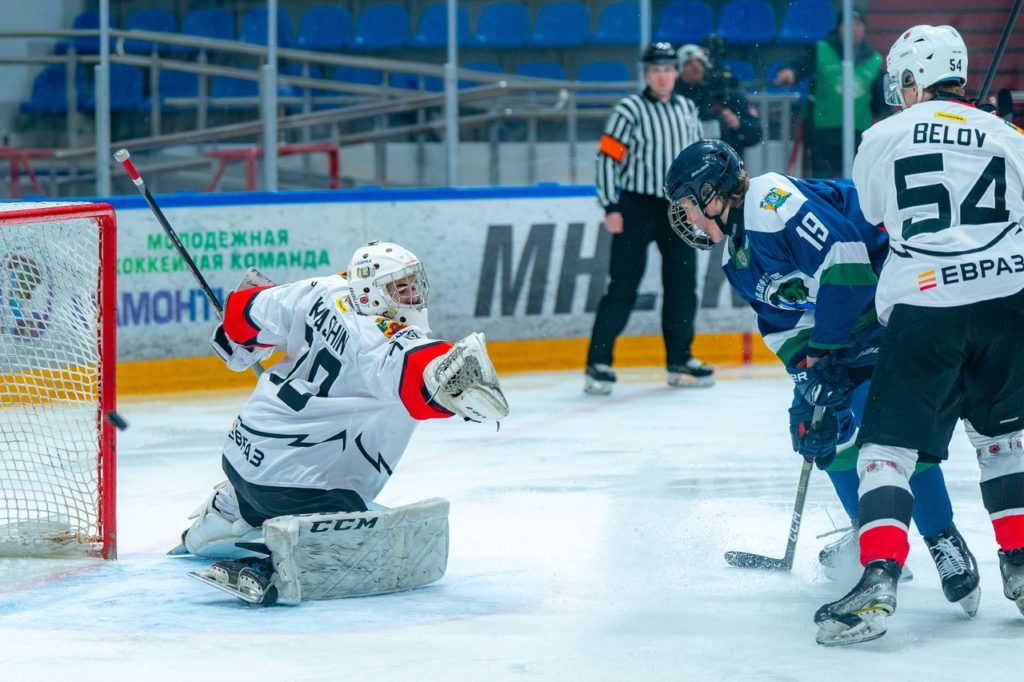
(774,200)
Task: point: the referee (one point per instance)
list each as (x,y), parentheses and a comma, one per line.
(643,135)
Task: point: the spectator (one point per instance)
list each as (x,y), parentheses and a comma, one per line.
(823,62)
(725,113)
(643,134)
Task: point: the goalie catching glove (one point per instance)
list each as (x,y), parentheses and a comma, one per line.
(463,381)
(237,357)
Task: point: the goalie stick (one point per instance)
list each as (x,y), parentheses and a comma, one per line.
(750,560)
(124,158)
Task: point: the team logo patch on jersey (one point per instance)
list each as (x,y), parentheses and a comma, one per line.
(1017,128)
(774,200)
(926,280)
(389,327)
(340,303)
(951,117)
(740,256)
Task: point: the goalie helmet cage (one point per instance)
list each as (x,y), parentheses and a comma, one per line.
(57,373)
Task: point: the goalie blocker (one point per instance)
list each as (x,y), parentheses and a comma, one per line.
(330,556)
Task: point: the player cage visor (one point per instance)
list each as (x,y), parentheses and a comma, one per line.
(679,219)
(893,85)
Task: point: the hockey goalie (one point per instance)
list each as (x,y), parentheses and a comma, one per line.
(325,428)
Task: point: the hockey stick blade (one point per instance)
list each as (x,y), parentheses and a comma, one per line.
(748,560)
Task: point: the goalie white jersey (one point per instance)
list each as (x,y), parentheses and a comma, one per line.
(339,410)
(946,180)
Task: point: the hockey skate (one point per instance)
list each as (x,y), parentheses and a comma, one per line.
(861,615)
(599,380)
(251,580)
(957,569)
(1011,566)
(694,374)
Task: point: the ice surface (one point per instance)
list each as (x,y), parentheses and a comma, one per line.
(586,544)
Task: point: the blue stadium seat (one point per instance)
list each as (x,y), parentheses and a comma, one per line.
(155,20)
(326,28)
(618,24)
(211,22)
(684,21)
(773,69)
(502,25)
(542,69)
(126,86)
(561,24)
(50,90)
(405,81)
(433,84)
(381,27)
(742,70)
(89,20)
(176,84)
(807,21)
(433,27)
(254,27)
(603,71)
(225,86)
(747,22)
(348,74)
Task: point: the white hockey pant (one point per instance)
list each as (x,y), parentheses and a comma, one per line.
(326,556)
(217,527)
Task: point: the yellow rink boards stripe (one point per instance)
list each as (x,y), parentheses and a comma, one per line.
(532,355)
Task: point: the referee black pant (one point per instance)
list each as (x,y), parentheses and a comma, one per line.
(645,219)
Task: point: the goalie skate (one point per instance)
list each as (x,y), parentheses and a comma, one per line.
(251,580)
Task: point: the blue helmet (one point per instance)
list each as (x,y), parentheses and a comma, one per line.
(701,172)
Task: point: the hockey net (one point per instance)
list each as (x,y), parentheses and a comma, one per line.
(57,370)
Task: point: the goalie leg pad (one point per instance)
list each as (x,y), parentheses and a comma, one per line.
(328,556)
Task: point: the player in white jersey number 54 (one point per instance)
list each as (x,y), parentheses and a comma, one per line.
(947,181)
(324,429)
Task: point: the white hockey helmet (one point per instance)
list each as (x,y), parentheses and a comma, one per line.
(923,56)
(387,280)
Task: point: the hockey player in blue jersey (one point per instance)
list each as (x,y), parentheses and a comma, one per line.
(803,256)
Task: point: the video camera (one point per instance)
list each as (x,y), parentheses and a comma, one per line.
(719,80)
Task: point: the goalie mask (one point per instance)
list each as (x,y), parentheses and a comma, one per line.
(387,280)
(703,171)
(923,56)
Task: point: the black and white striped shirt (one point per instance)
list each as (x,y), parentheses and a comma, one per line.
(641,139)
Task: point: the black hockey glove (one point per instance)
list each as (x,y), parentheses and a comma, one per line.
(815,443)
(825,383)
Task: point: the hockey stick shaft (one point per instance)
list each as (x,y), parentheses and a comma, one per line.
(749,560)
(998,54)
(125,159)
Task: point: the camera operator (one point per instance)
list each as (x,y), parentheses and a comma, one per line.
(725,113)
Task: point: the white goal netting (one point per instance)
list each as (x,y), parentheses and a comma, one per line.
(53,478)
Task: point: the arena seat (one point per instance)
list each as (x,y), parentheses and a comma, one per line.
(50,90)
(154,19)
(561,24)
(89,20)
(210,22)
(324,28)
(807,21)
(684,21)
(502,25)
(747,22)
(618,24)
(254,27)
(381,27)
(432,31)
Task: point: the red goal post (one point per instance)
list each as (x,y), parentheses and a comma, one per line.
(58,359)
